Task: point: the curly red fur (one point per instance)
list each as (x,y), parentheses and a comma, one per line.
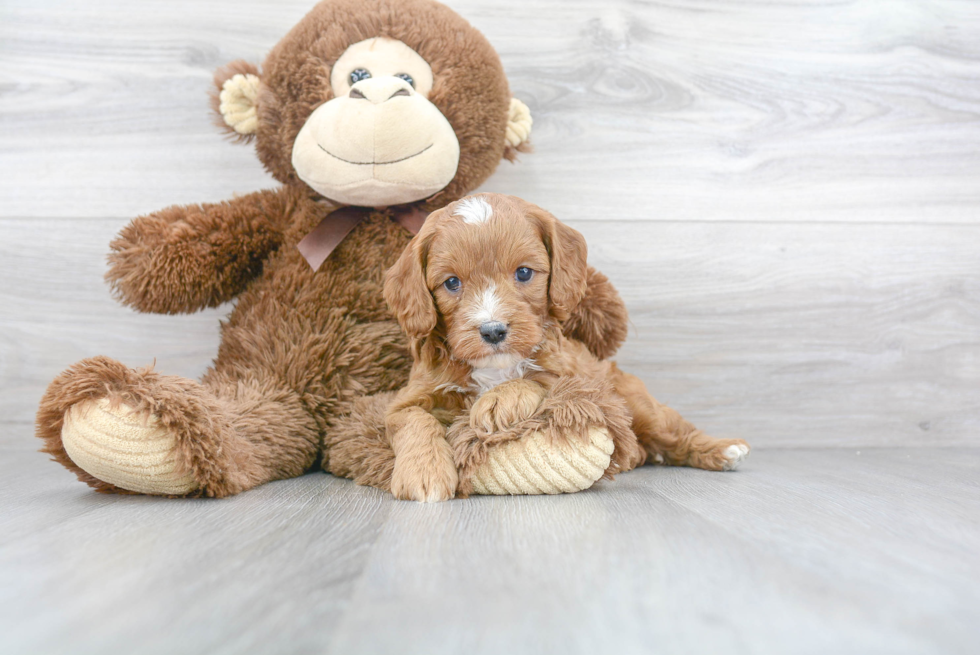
(481,254)
(478,244)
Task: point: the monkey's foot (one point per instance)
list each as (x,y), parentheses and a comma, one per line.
(125,448)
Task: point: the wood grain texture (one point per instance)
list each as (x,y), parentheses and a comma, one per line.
(802,551)
(772,111)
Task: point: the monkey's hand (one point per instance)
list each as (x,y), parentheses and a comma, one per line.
(505,405)
(185,258)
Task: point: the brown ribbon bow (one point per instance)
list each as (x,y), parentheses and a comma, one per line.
(325,237)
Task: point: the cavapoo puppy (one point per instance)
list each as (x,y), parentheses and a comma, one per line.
(481,291)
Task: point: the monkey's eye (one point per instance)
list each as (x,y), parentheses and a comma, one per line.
(407,78)
(452,284)
(523,274)
(358,74)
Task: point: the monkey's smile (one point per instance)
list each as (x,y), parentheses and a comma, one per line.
(374,163)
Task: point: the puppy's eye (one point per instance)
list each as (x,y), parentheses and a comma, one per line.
(407,78)
(452,284)
(523,274)
(358,74)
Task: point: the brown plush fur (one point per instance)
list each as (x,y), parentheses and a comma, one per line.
(299,345)
(288,363)
(439,290)
(358,447)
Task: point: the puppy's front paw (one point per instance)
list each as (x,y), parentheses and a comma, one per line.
(427,476)
(505,405)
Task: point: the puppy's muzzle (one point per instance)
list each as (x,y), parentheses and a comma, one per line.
(493,332)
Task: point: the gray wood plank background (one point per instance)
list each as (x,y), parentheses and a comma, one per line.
(802,551)
(786,193)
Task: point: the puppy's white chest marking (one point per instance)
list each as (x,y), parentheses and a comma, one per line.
(492,371)
(487,378)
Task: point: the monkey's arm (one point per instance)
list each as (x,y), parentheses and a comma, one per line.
(187,257)
(600,321)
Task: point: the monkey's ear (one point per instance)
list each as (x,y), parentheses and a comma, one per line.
(519,123)
(406,291)
(568,281)
(235,98)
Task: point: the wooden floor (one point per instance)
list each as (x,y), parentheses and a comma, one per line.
(802,551)
(786,193)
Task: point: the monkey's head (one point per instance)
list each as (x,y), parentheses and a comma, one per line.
(377,103)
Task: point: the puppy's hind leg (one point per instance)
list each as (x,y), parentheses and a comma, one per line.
(668,438)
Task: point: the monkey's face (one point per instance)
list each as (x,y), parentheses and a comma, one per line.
(377,103)
(379,141)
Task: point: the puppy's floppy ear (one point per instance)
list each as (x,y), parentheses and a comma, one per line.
(569,270)
(405,290)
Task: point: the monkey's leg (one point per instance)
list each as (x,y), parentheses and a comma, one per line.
(357,447)
(668,438)
(136,431)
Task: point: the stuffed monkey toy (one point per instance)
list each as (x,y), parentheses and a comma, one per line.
(371,114)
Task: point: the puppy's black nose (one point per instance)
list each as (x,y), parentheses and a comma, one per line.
(493,332)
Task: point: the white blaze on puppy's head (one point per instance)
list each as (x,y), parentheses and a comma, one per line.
(474,210)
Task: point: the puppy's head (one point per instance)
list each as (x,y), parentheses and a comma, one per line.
(487,273)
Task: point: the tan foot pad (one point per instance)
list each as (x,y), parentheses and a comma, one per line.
(121,447)
(532,465)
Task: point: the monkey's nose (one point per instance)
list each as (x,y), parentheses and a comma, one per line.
(380,89)
(493,332)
